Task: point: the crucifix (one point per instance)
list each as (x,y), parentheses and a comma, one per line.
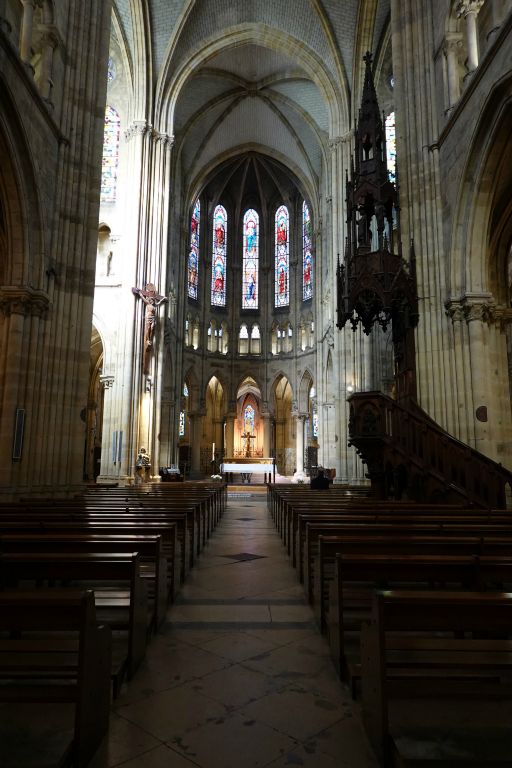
(152,300)
(247,437)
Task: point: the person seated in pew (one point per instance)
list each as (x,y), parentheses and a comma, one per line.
(320,482)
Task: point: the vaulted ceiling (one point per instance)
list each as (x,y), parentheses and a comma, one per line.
(233,76)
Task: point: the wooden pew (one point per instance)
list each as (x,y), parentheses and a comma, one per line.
(184,518)
(122,605)
(53,651)
(153,563)
(440,645)
(358,575)
(174,548)
(321,542)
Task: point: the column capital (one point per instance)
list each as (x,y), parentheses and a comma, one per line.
(50,35)
(137,128)
(166,139)
(452,43)
(19,300)
(468,7)
(472,306)
(107,380)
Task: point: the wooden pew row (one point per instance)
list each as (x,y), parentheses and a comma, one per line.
(120,594)
(451,542)
(212,497)
(388,513)
(154,569)
(171,528)
(359,574)
(321,542)
(445,646)
(52,650)
(218,491)
(311,526)
(185,519)
(277,495)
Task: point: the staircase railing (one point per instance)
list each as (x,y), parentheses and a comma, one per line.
(408,454)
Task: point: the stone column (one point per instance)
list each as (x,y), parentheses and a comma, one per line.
(50,42)
(196,421)
(469,10)
(267,428)
(452,46)
(477,312)
(27,24)
(299,437)
(111,439)
(230,435)
(23,330)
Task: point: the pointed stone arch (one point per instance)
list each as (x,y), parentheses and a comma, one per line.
(23,259)
(305,385)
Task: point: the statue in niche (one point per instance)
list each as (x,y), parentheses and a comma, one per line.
(152,300)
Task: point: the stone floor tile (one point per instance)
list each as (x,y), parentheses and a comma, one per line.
(233,742)
(238,646)
(296,712)
(160,757)
(171,714)
(157,674)
(236,686)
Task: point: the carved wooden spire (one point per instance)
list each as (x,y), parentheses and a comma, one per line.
(374,284)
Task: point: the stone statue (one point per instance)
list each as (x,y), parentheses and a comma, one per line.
(143,459)
(152,300)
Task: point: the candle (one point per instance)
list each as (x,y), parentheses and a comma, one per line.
(213,451)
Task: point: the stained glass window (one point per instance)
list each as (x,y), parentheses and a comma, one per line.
(249,419)
(282,260)
(182,413)
(220,225)
(111,69)
(110,161)
(307,256)
(391,146)
(250,260)
(193,256)
(315,424)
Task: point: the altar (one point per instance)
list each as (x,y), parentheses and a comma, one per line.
(247,467)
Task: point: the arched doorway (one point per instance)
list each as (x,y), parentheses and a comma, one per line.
(213,430)
(249,426)
(284,437)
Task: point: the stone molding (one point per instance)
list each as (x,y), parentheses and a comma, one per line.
(465,7)
(107,381)
(143,128)
(336,141)
(16,300)
(478,307)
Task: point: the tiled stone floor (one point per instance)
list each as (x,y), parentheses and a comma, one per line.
(239,677)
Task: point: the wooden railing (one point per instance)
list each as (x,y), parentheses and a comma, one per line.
(408,455)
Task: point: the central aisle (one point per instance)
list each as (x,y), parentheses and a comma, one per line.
(240,677)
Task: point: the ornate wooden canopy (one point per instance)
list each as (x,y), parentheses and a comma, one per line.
(375,285)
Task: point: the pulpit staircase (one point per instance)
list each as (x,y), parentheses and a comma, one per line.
(408,455)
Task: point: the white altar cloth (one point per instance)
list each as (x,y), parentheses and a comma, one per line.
(233,466)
